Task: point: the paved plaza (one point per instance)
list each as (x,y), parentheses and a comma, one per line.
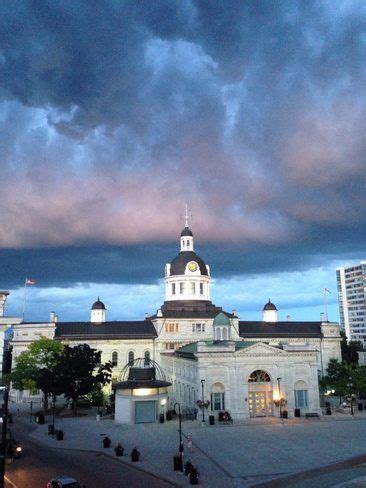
(239,455)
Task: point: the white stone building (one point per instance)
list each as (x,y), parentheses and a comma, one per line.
(246,365)
(351,284)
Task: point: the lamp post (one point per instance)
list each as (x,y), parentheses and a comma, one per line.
(203,399)
(4,393)
(279,394)
(53,413)
(350,387)
(180,436)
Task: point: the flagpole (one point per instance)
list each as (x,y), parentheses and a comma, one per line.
(326,304)
(24,297)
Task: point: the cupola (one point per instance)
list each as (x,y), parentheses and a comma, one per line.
(221,327)
(98,312)
(187,277)
(270,312)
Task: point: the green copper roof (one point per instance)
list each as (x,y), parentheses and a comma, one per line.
(221,319)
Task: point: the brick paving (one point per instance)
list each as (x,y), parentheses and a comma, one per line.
(239,455)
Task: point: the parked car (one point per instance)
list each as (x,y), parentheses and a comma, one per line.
(63,482)
(13,447)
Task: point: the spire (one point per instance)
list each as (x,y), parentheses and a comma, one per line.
(186,216)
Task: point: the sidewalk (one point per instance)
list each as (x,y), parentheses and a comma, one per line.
(239,455)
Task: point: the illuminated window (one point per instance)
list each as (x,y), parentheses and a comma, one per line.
(171,327)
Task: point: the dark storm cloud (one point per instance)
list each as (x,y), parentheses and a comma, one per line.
(116,113)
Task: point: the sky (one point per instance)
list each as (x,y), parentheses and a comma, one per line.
(115,114)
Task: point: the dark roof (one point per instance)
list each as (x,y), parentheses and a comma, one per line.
(98,305)
(280,329)
(143,329)
(269,306)
(134,385)
(179,263)
(195,309)
(186,232)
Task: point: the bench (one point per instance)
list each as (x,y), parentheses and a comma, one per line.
(309,415)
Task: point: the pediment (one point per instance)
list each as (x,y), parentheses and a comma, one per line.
(259,348)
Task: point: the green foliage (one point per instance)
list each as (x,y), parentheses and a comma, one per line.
(79,371)
(350,349)
(30,363)
(97,396)
(341,375)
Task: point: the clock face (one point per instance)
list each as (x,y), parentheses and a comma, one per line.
(192,266)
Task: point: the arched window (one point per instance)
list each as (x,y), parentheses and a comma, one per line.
(114,358)
(259,376)
(224,334)
(131,357)
(217,397)
(301,394)
(147,358)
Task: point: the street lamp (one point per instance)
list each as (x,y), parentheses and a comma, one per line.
(203,399)
(350,387)
(180,435)
(53,413)
(279,394)
(4,395)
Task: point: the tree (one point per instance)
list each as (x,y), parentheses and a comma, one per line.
(79,370)
(41,355)
(336,377)
(350,349)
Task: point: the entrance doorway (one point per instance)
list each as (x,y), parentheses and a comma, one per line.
(260,394)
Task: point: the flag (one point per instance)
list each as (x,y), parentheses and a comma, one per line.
(327,291)
(28,281)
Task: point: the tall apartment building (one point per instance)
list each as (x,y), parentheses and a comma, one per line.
(351,284)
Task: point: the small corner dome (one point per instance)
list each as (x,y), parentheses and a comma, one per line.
(221,319)
(186,232)
(269,306)
(98,305)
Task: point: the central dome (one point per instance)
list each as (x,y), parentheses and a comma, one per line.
(179,263)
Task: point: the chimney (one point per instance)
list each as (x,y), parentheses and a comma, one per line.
(3,297)
(234,312)
(158,313)
(322,317)
(146,315)
(288,318)
(53,317)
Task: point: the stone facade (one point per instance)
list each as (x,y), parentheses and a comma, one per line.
(193,340)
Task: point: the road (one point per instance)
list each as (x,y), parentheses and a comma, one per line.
(38,465)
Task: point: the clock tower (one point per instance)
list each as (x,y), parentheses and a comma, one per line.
(187,277)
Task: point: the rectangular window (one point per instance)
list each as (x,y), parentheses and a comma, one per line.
(301,398)
(181,288)
(171,327)
(193,288)
(198,328)
(217,401)
(201,288)
(173,288)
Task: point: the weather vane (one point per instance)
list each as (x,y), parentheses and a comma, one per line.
(187,216)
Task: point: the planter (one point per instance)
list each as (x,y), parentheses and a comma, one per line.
(60,435)
(178,464)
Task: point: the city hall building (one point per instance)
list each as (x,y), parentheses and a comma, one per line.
(248,368)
